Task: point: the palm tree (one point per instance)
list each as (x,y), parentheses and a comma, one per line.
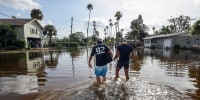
(153,28)
(118,16)
(94,30)
(50,31)
(37,14)
(105,33)
(107,29)
(122,30)
(115,35)
(111,25)
(89,7)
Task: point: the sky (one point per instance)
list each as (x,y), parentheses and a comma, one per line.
(155,13)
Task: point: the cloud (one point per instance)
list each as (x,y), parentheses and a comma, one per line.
(157,12)
(18,15)
(20,4)
(196,2)
(43,23)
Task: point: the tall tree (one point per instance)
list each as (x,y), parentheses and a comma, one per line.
(111,25)
(89,7)
(77,37)
(115,33)
(121,35)
(37,14)
(165,30)
(50,31)
(129,35)
(153,28)
(118,16)
(107,29)
(105,33)
(179,24)
(94,30)
(139,29)
(7,35)
(195,30)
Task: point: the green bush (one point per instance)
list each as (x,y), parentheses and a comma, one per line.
(71,44)
(65,44)
(11,48)
(176,47)
(20,44)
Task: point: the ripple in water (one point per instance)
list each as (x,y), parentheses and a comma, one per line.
(134,89)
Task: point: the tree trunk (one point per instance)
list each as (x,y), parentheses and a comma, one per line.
(88,25)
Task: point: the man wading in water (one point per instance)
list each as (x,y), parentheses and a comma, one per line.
(100,51)
(123,52)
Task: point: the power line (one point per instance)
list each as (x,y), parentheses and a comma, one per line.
(5,15)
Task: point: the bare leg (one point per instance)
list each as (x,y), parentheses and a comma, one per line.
(98,80)
(117,72)
(126,73)
(104,78)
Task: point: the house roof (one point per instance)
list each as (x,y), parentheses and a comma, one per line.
(167,35)
(14,21)
(18,22)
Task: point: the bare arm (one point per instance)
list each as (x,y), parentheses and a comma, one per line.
(132,54)
(89,62)
(110,52)
(116,55)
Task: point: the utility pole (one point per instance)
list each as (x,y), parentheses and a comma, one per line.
(71,24)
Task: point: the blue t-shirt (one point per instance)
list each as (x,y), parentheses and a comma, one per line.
(100,51)
(124,51)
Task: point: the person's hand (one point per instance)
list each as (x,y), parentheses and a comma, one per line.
(115,57)
(90,65)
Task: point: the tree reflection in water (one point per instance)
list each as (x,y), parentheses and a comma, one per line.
(34,70)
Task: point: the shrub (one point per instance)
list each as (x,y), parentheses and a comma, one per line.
(20,44)
(65,44)
(177,46)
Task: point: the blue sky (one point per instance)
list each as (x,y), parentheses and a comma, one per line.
(59,12)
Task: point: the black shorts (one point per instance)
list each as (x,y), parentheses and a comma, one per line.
(124,64)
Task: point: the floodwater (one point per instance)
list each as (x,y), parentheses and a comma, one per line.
(64,75)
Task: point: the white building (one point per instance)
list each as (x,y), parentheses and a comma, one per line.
(29,30)
(183,40)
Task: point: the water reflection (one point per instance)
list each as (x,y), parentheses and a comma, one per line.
(44,70)
(51,59)
(19,71)
(175,68)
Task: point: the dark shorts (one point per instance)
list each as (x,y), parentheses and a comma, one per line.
(124,64)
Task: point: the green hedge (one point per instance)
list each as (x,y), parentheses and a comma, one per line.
(65,44)
(20,44)
(177,46)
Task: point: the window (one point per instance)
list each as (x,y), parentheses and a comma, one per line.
(197,42)
(33,31)
(187,41)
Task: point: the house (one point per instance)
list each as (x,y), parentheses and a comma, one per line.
(29,30)
(168,41)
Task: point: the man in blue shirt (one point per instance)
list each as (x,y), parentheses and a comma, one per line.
(124,51)
(100,51)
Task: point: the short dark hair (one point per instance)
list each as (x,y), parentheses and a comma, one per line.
(99,41)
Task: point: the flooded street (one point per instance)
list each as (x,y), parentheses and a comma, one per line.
(60,75)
